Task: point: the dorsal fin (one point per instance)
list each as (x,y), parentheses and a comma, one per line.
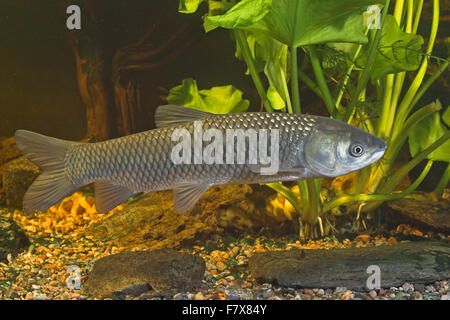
(171,115)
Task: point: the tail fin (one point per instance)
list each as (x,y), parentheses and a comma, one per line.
(48,154)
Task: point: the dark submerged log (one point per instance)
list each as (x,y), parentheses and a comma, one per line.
(416,262)
(93,74)
(109,72)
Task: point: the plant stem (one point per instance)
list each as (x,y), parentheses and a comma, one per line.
(362,83)
(310,83)
(242,41)
(399,78)
(287,193)
(417,16)
(378,197)
(429,82)
(442,183)
(347,75)
(403,171)
(406,104)
(318,72)
(311,215)
(294,81)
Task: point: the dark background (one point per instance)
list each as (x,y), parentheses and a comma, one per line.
(38,84)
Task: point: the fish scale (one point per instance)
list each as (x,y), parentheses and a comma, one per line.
(113,159)
(309,147)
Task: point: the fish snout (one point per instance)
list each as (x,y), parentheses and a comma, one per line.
(382,145)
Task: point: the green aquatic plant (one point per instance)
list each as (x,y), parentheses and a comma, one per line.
(360,73)
(223,99)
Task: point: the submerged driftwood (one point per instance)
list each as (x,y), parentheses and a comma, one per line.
(417,262)
(421,214)
(152,223)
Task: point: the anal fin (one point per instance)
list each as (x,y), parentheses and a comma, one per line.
(109,194)
(185,195)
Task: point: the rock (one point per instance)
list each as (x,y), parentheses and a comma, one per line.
(420,214)
(402,296)
(18,175)
(414,262)
(419,287)
(445,297)
(238,294)
(8,152)
(13,239)
(431,296)
(152,223)
(430,289)
(166,271)
(340,290)
(199,296)
(408,287)
(373,294)
(181,296)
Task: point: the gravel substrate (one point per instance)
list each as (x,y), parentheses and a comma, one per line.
(41,272)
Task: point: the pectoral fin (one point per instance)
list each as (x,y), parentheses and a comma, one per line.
(109,195)
(185,195)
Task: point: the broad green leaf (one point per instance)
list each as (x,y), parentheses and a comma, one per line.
(446,116)
(305,22)
(398,51)
(189,6)
(224,99)
(427,131)
(270,56)
(275,99)
(243,14)
(215,8)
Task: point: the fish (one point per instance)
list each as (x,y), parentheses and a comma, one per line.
(303,147)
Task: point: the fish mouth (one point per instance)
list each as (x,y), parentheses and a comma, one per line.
(381,149)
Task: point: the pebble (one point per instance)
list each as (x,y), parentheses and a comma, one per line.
(445,297)
(238,294)
(199,296)
(181,296)
(348,295)
(416,296)
(340,290)
(373,294)
(419,287)
(320,292)
(267,294)
(308,291)
(430,289)
(408,287)
(432,296)
(221,266)
(402,296)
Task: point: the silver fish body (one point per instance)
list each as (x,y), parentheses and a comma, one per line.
(308,147)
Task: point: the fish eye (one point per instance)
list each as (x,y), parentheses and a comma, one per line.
(356,150)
